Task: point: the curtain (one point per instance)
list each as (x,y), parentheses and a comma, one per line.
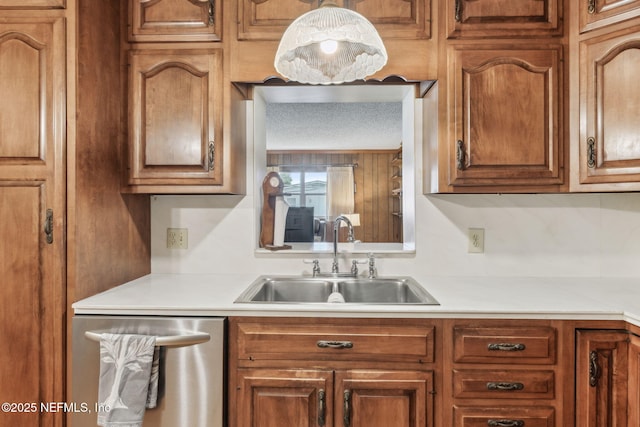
(340,189)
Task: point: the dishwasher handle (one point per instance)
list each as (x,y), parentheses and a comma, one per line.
(165,341)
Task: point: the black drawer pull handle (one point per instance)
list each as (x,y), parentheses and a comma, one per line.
(335,344)
(505,386)
(506,347)
(505,423)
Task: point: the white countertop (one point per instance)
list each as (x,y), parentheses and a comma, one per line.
(481,297)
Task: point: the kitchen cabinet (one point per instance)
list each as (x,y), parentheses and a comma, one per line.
(60,176)
(32,205)
(356,398)
(602,362)
(404,25)
(268,19)
(187,121)
(594,14)
(506,112)
(504,373)
(175,117)
(175,20)
(609,148)
(331,372)
(32,4)
(503,18)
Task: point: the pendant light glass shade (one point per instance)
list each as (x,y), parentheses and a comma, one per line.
(330,45)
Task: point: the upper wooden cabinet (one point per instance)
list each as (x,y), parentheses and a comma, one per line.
(175,118)
(267,19)
(609,104)
(505,111)
(598,13)
(32,4)
(175,20)
(503,18)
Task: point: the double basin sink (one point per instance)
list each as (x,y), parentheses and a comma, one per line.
(351,290)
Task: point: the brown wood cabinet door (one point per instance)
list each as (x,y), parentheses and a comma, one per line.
(609,105)
(175,117)
(601,378)
(32,4)
(370,398)
(32,263)
(175,20)
(268,19)
(598,13)
(507,117)
(503,18)
(277,398)
(633,415)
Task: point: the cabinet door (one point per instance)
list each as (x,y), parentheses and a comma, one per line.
(175,20)
(500,18)
(32,4)
(175,117)
(598,13)
(609,105)
(371,398)
(633,415)
(277,398)
(507,118)
(268,19)
(32,208)
(601,378)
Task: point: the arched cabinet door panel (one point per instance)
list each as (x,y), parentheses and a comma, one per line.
(506,123)
(610,100)
(175,117)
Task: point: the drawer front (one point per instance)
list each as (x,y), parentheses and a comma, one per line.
(504,417)
(503,384)
(258,341)
(526,345)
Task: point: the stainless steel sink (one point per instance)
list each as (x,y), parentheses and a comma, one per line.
(383,290)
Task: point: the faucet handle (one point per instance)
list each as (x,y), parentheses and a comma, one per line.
(316,265)
(373,271)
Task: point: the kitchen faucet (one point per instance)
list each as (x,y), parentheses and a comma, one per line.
(350,238)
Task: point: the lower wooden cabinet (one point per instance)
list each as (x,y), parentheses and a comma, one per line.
(320,397)
(332,372)
(607,378)
(506,373)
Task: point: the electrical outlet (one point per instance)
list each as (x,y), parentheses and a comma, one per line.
(177,238)
(476,240)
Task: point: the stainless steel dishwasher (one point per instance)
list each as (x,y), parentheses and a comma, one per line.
(192,353)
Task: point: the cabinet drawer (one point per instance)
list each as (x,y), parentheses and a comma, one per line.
(504,417)
(503,384)
(257,341)
(526,345)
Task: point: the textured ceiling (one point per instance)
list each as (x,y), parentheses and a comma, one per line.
(334,126)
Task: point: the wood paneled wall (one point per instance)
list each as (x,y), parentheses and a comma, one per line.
(373,200)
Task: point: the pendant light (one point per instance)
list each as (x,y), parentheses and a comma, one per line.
(330,45)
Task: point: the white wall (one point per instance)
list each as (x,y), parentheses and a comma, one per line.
(525,235)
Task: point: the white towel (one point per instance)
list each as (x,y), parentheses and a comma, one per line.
(125,375)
